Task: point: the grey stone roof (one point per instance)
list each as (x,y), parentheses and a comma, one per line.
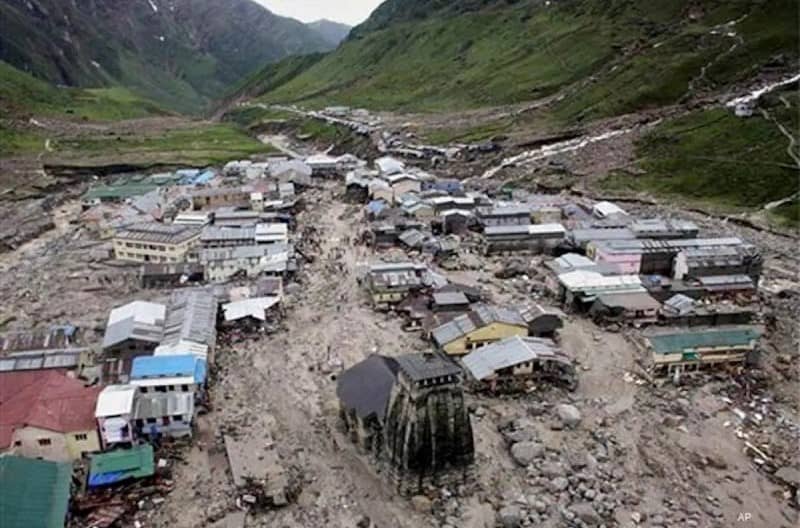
(365,387)
(419,367)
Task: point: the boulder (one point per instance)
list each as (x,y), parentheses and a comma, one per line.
(510,516)
(586,513)
(421,504)
(558,484)
(789,475)
(524,453)
(569,415)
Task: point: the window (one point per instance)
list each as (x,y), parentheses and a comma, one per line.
(165,420)
(45,441)
(81,437)
(177,417)
(17,443)
(151,420)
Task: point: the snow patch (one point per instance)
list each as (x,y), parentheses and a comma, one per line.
(153,5)
(96,64)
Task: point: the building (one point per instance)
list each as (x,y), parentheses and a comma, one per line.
(222,237)
(250,313)
(193,219)
(272,233)
(47,414)
(121,465)
(607,209)
(484,324)
(388,284)
(454,301)
(133,330)
(220,197)
(114,414)
(504,215)
(515,362)
(447,186)
(381,190)
(155,242)
(419,210)
(171,275)
(122,193)
(637,307)
(191,325)
(388,405)
(403,183)
(34,493)
(535,238)
(228,217)
(659,229)
(158,414)
(579,289)
(164,374)
(542,321)
(672,354)
(224,264)
(388,166)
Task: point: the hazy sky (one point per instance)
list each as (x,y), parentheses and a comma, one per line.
(348,11)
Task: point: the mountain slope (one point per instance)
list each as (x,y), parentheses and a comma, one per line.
(617,56)
(333,32)
(179,52)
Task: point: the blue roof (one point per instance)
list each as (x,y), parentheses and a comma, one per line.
(376,206)
(148,367)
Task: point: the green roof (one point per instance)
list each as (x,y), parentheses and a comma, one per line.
(679,343)
(33,493)
(119,192)
(136,462)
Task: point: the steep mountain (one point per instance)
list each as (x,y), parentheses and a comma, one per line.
(616,56)
(333,32)
(179,52)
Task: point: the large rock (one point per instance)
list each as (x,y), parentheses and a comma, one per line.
(789,475)
(586,513)
(569,415)
(524,453)
(510,516)
(421,503)
(558,484)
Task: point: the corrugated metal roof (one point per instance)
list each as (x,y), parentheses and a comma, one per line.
(689,341)
(450,298)
(33,493)
(511,351)
(420,367)
(192,316)
(121,464)
(51,359)
(187,365)
(141,312)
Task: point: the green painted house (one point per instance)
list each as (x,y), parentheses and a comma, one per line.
(122,464)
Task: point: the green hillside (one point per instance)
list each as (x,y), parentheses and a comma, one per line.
(617,55)
(21,94)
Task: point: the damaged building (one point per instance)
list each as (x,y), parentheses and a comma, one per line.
(408,413)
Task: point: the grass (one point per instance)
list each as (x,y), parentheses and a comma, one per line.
(15,142)
(22,94)
(616,56)
(711,156)
(204,144)
(476,134)
(250,116)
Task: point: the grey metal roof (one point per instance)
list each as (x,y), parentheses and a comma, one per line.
(481,315)
(158,405)
(43,360)
(366,386)
(419,367)
(412,237)
(192,316)
(506,230)
(158,233)
(504,211)
(509,352)
(450,298)
(130,328)
(680,303)
(213,233)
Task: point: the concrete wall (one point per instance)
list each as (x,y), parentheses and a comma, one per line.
(139,251)
(63,447)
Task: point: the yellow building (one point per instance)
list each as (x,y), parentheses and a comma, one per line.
(481,326)
(47,414)
(155,242)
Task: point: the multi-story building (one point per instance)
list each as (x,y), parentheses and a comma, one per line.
(155,242)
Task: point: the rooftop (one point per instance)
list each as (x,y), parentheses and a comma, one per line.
(33,493)
(160,404)
(511,351)
(716,338)
(121,464)
(115,400)
(366,386)
(145,367)
(158,233)
(480,316)
(47,399)
(420,367)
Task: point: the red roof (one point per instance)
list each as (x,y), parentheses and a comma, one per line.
(47,399)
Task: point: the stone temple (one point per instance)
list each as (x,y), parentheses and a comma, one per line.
(408,413)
